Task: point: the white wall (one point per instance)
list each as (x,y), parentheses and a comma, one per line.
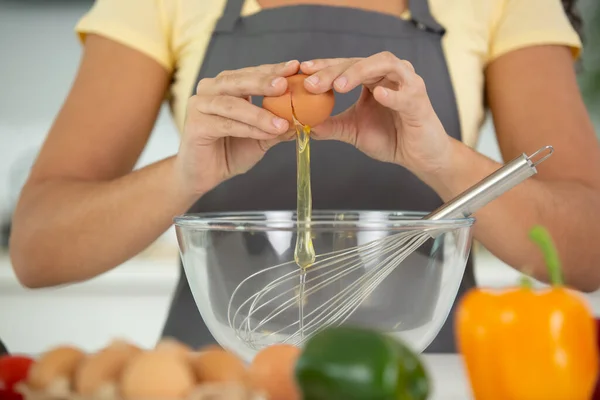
(39,55)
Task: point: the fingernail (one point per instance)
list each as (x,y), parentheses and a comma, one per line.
(341,82)
(275,81)
(279,123)
(313,80)
(308,63)
(290,62)
(384,92)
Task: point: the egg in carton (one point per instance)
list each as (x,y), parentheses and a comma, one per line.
(66,372)
(122,371)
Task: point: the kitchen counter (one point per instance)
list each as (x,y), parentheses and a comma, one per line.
(131,302)
(448,377)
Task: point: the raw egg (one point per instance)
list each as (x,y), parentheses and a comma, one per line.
(157,374)
(98,374)
(214,365)
(309,108)
(272,372)
(55,369)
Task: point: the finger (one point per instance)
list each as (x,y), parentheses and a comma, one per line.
(371,70)
(311,66)
(241,110)
(322,80)
(267,144)
(259,81)
(338,127)
(242,85)
(213,127)
(409,101)
(282,69)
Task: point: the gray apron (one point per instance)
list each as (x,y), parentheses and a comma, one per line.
(353,180)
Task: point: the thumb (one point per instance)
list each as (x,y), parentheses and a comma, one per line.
(341,127)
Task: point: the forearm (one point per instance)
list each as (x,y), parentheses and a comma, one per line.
(564,208)
(67,230)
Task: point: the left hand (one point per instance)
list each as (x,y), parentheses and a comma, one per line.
(392,121)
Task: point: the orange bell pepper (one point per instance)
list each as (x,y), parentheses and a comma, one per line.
(527,344)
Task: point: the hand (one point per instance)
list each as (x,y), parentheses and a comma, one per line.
(224,133)
(392,121)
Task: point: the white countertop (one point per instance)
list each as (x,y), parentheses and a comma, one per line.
(159,267)
(132,302)
(448,377)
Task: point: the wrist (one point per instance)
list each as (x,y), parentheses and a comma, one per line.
(185,192)
(190,186)
(458,169)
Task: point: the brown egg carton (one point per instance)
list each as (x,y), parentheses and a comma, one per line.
(122,371)
(206,391)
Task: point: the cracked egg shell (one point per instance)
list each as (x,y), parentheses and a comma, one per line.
(310,109)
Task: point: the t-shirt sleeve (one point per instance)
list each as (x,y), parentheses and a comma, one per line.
(139,24)
(523,23)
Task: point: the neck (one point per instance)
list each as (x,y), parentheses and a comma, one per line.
(394,7)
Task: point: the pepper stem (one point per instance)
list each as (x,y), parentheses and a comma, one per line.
(540,236)
(525,282)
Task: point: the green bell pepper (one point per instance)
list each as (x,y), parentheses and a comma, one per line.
(347,363)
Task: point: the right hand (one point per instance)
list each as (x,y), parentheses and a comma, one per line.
(224,133)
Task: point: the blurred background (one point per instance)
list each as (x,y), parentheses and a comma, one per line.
(39,55)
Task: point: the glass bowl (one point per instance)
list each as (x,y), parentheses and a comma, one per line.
(250,292)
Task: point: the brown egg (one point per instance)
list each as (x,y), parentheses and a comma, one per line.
(157,374)
(55,369)
(272,371)
(214,365)
(224,391)
(100,372)
(174,346)
(310,109)
(210,347)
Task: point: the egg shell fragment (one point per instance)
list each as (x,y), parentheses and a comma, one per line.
(310,109)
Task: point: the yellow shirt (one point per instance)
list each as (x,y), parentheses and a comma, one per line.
(176,33)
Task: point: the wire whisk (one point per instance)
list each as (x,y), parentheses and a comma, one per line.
(339,282)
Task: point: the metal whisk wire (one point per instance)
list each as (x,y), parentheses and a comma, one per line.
(378,258)
(334,266)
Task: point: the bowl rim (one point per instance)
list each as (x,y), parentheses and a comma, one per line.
(276,221)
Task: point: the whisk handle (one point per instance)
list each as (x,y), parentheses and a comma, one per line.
(491,187)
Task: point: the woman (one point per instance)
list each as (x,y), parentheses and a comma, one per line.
(3,349)
(427,69)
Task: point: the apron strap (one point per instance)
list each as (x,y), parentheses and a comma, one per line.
(422,17)
(233,10)
(419,9)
